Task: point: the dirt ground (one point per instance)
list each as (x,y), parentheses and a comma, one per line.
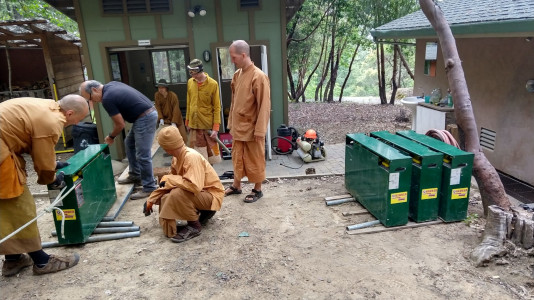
(296,248)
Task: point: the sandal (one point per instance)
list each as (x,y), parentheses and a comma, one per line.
(233,191)
(185,234)
(254,196)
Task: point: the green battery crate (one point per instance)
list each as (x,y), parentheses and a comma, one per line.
(456,176)
(378,176)
(426,175)
(91,173)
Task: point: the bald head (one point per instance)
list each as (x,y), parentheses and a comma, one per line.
(75,108)
(240,54)
(241,47)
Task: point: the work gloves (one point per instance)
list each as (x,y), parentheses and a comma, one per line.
(59,183)
(61,164)
(161,122)
(147,208)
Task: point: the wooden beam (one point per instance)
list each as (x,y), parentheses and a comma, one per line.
(8,23)
(25,37)
(39,30)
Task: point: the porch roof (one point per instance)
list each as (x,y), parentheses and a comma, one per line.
(473,18)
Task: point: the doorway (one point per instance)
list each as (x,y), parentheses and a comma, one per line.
(142,68)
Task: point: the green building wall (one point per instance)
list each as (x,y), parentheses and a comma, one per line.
(100,32)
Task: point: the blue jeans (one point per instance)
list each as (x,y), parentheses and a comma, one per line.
(138,145)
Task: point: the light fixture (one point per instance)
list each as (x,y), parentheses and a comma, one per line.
(197,10)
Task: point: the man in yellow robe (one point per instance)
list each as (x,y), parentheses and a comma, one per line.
(191,192)
(248,119)
(203,112)
(33,126)
(168,107)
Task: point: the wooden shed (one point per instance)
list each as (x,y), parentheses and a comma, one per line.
(38,59)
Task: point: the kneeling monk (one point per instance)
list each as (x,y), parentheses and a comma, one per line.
(192,191)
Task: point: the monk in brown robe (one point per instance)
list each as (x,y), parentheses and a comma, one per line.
(33,126)
(168,107)
(192,191)
(248,119)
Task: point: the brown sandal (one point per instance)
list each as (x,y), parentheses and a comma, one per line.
(233,191)
(185,234)
(254,196)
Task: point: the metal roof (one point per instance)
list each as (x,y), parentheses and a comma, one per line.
(467,17)
(28,33)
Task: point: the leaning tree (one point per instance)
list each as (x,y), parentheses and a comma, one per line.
(502,221)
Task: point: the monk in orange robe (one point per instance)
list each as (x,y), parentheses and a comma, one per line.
(33,126)
(248,119)
(191,192)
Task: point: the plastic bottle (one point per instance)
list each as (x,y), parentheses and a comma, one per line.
(449,97)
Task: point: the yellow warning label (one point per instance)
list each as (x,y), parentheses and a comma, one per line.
(431,193)
(70,214)
(399,197)
(459,193)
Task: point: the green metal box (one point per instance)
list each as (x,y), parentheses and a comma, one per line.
(426,175)
(456,176)
(378,176)
(91,173)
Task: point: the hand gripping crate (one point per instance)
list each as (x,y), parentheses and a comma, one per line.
(91,173)
(378,176)
(426,175)
(456,176)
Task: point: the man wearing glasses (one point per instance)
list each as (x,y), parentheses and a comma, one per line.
(124,103)
(203,115)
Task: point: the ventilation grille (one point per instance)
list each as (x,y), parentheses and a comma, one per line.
(159,6)
(249,3)
(112,6)
(487,138)
(135,6)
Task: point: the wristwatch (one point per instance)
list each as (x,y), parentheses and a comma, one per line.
(111,136)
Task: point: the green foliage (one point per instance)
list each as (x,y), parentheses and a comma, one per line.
(350,21)
(31,9)
(471,218)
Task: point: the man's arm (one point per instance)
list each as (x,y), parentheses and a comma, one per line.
(118,126)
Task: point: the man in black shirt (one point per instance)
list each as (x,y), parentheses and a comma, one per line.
(124,103)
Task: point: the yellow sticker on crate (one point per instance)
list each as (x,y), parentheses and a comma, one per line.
(399,197)
(70,214)
(459,193)
(431,193)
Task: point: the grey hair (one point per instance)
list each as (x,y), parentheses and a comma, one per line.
(241,46)
(75,103)
(89,85)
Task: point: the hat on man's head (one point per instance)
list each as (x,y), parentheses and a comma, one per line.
(169,138)
(195,64)
(162,82)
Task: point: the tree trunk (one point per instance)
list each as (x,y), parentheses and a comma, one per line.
(381,73)
(405,64)
(349,71)
(489,183)
(394,75)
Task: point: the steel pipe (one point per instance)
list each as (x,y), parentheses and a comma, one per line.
(99,238)
(109,230)
(339,201)
(363,225)
(116,224)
